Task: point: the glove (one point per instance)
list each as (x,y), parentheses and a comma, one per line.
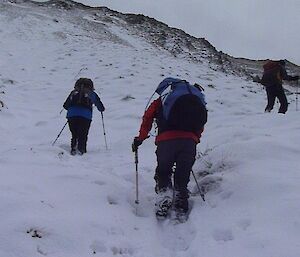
(296,77)
(136,143)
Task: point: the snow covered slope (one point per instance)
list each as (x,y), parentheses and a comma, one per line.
(57,205)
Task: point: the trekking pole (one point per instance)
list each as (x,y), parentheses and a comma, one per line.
(208,164)
(60,133)
(200,191)
(136,160)
(84,68)
(104,130)
(61,110)
(297,95)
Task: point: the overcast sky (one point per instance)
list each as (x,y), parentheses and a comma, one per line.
(257,29)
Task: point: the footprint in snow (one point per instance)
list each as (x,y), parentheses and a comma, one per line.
(224,235)
(210,183)
(64,147)
(143,208)
(112,199)
(61,155)
(40,123)
(113,231)
(176,237)
(226,195)
(41,251)
(244,224)
(98,247)
(99,183)
(123,251)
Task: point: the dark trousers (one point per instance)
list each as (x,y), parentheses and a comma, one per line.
(79,128)
(272,93)
(181,152)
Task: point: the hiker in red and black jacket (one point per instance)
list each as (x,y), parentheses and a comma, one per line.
(176,141)
(274,74)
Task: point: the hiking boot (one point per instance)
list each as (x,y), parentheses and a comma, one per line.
(268,110)
(82,151)
(282,112)
(181,203)
(163,202)
(73,152)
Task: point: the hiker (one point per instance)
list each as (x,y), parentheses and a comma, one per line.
(274,74)
(79,105)
(180,115)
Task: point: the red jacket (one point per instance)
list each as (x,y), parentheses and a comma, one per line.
(150,114)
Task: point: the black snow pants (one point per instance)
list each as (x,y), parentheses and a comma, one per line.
(180,152)
(272,93)
(79,128)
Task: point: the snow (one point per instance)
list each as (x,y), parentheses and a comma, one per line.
(55,204)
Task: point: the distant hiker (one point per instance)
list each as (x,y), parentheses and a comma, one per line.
(79,105)
(274,74)
(180,115)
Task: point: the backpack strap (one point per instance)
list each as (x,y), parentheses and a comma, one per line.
(80,93)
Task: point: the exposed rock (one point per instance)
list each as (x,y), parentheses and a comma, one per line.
(175,41)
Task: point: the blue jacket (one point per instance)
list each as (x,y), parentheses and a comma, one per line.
(75,110)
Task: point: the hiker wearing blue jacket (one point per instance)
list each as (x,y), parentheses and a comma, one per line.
(79,105)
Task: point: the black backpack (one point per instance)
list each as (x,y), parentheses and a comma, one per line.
(272,74)
(183,108)
(80,96)
(188,113)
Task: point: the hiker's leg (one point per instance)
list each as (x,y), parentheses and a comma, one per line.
(83,134)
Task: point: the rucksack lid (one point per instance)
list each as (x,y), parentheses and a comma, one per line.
(272,74)
(80,96)
(84,83)
(271,65)
(166,83)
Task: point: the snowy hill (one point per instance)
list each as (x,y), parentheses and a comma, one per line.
(54,204)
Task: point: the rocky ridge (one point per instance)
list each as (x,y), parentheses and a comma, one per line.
(175,41)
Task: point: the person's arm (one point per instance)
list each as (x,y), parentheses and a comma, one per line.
(146,125)
(67,103)
(96,100)
(148,118)
(287,77)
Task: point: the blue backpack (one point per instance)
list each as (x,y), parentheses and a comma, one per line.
(183,106)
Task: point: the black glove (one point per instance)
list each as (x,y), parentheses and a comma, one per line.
(136,143)
(296,77)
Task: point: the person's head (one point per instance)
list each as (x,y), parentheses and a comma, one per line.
(84,82)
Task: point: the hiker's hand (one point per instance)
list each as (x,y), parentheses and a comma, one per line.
(296,77)
(136,143)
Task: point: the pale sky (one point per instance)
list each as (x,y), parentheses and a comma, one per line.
(256,29)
